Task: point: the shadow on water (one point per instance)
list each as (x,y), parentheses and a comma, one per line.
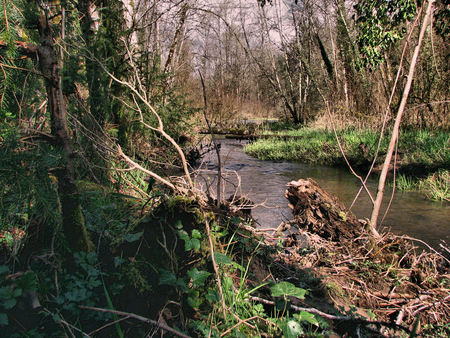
(264,182)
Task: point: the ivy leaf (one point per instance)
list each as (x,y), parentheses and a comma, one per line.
(287,289)
(118,261)
(178,224)
(167,278)
(57,318)
(213,296)
(198,277)
(182,283)
(133,237)
(189,243)
(222,259)
(193,299)
(291,329)
(306,316)
(183,234)
(196,234)
(195,244)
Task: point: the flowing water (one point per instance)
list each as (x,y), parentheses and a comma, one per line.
(264,182)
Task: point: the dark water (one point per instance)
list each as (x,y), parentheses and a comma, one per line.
(264,182)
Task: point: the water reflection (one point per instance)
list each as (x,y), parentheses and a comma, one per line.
(264,182)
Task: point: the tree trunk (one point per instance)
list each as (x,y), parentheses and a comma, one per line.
(73,220)
(86,9)
(395,131)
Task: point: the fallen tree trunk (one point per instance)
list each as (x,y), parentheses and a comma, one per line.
(318,212)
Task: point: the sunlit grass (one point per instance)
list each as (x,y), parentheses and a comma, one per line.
(438,186)
(311,145)
(419,152)
(405,183)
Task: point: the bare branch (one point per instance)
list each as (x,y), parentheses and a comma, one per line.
(140,318)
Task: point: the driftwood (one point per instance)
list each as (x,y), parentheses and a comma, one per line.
(318,212)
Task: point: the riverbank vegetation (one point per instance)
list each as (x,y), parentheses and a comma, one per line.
(422,162)
(103,231)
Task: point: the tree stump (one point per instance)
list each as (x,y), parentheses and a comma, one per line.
(318,212)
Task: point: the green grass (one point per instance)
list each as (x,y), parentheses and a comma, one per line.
(424,156)
(438,185)
(312,146)
(405,183)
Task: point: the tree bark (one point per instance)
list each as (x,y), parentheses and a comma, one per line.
(73,220)
(395,131)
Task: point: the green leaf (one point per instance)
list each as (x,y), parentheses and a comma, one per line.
(3,269)
(5,292)
(182,283)
(9,303)
(287,289)
(196,234)
(17,292)
(222,259)
(178,224)
(133,237)
(167,278)
(27,281)
(183,235)
(198,277)
(213,296)
(4,319)
(291,329)
(57,318)
(195,243)
(189,243)
(306,316)
(193,300)
(119,261)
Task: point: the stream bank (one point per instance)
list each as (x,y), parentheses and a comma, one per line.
(264,182)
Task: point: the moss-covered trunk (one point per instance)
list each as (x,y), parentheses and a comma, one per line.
(73,220)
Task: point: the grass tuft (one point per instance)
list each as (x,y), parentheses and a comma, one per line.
(438,186)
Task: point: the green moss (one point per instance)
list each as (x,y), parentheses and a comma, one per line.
(180,201)
(75,231)
(84,186)
(334,290)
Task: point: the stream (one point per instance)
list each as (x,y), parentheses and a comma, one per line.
(264,182)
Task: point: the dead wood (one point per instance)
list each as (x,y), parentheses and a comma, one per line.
(320,213)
